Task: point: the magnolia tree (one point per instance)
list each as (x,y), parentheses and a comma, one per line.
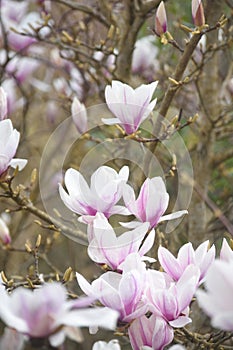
(115,175)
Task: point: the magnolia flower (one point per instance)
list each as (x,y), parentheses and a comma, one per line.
(226,253)
(119,292)
(151,203)
(144,57)
(107,248)
(202,257)
(198,13)
(4,232)
(130,107)
(161,20)
(104,192)
(150,333)
(44,313)
(102,345)
(3,104)
(217,300)
(172,302)
(9,140)
(79,115)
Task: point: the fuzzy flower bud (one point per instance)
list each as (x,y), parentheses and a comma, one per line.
(161,20)
(198,13)
(79,115)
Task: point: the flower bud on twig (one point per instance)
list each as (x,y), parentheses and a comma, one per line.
(161,20)
(198,13)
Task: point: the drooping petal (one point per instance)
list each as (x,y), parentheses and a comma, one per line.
(173,216)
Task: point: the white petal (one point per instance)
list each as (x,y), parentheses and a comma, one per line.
(111,121)
(17,162)
(173,216)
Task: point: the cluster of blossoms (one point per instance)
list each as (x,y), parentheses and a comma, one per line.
(147,304)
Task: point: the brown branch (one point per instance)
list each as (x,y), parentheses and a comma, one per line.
(179,71)
(26,204)
(85,9)
(215,209)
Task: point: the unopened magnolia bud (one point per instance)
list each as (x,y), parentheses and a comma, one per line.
(79,115)
(198,13)
(3,104)
(161,20)
(4,232)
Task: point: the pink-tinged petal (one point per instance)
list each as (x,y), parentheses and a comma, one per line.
(4,232)
(106,187)
(101,317)
(157,201)
(226,252)
(161,20)
(140,332)
(130,290)
(111,121)
(165,302)
(133,262)
(186,255)
(77,186)
(173,216)
(180,322)
(82,302)
(201,252)
(150,333)
(207,262)
(162,335)
(131,224)
(3,104)
(117,209)
(141,310)
(145,92)
(187,286)
(106,248)
(133,238)
(169,263)
(17,162)
(73,205)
